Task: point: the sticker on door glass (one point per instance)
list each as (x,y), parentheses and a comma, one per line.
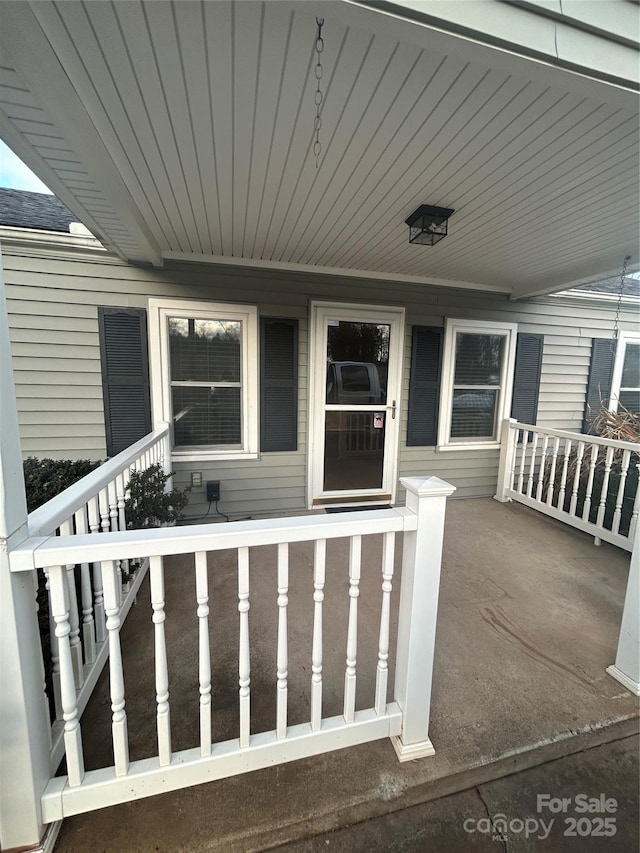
(378,420)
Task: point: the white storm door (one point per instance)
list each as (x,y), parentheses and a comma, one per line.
(354,418)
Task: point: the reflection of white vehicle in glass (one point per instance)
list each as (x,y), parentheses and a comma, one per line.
(473,413)
(354,383)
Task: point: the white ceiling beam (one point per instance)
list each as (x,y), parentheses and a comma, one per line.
(30,157)
(21,39)
(602,275)
(342,272)
(597,47)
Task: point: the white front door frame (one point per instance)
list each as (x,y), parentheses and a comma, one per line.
(321,313)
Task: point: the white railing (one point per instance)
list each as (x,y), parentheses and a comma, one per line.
(588,482)
(405,719)
(95,504)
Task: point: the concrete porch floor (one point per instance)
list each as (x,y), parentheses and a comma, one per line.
(528,622)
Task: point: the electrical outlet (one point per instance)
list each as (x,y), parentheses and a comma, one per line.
(213,490)
(196,478)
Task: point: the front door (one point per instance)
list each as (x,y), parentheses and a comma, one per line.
(356,355)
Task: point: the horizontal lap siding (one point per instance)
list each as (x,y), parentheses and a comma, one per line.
(56,355)
(54,332)
(474,473)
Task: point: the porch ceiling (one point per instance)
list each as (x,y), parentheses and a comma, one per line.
(185,130)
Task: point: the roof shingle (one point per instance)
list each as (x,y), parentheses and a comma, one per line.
(21,209)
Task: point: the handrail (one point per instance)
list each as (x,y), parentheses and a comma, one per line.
(578,436)
(44,520)
(133,544)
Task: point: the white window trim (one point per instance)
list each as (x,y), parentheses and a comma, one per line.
(616,378)
(159,311)
(481,327)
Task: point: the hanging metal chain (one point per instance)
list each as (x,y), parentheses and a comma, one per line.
(616,322)
(317,123)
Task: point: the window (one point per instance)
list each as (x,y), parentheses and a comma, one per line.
(204,377)
(625,383)
(477,377)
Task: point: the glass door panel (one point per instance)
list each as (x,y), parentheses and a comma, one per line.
(357,376)
(353,450)
(357,363)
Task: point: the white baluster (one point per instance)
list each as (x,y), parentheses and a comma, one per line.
(624,468)
(156,577)
(43,678)
(282,657)
(636,507)
(552,474)
(319,567)
(113,506)
(112,500)
(244,659)
(66,529)
(98,600)
(576,478)
(608,459)
(382,674)
(586,509)
(532,465)
(55,656)
(122,521)
(563,477)
(86,595)
(204,652)
(120,499)
(543,465)
(116,674)
(523,457)
(103,506)
(355,552)
(515,432)
(72,734)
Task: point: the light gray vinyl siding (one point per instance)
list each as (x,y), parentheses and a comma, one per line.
(53,302)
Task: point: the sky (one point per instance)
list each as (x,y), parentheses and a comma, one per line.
(15,175)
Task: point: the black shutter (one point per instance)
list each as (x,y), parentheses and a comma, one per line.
(424,386)
(278,384)
(125,376)
(603,354)
(526,378)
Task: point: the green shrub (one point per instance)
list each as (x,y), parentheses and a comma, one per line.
(148,504)
(46,478)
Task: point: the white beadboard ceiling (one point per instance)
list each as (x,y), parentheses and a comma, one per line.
(184,130)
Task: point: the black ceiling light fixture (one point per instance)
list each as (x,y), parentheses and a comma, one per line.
(428,225)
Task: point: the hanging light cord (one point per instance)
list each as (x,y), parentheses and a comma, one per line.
(616,323)
(317,122)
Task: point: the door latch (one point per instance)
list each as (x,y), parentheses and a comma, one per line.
(393,410)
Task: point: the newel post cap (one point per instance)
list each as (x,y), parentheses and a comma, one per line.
(427,487)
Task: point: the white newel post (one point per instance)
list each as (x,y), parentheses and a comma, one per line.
(24,724)
(627,666)
(420,584)
(508,441)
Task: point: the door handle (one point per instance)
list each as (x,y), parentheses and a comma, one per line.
(393,410)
